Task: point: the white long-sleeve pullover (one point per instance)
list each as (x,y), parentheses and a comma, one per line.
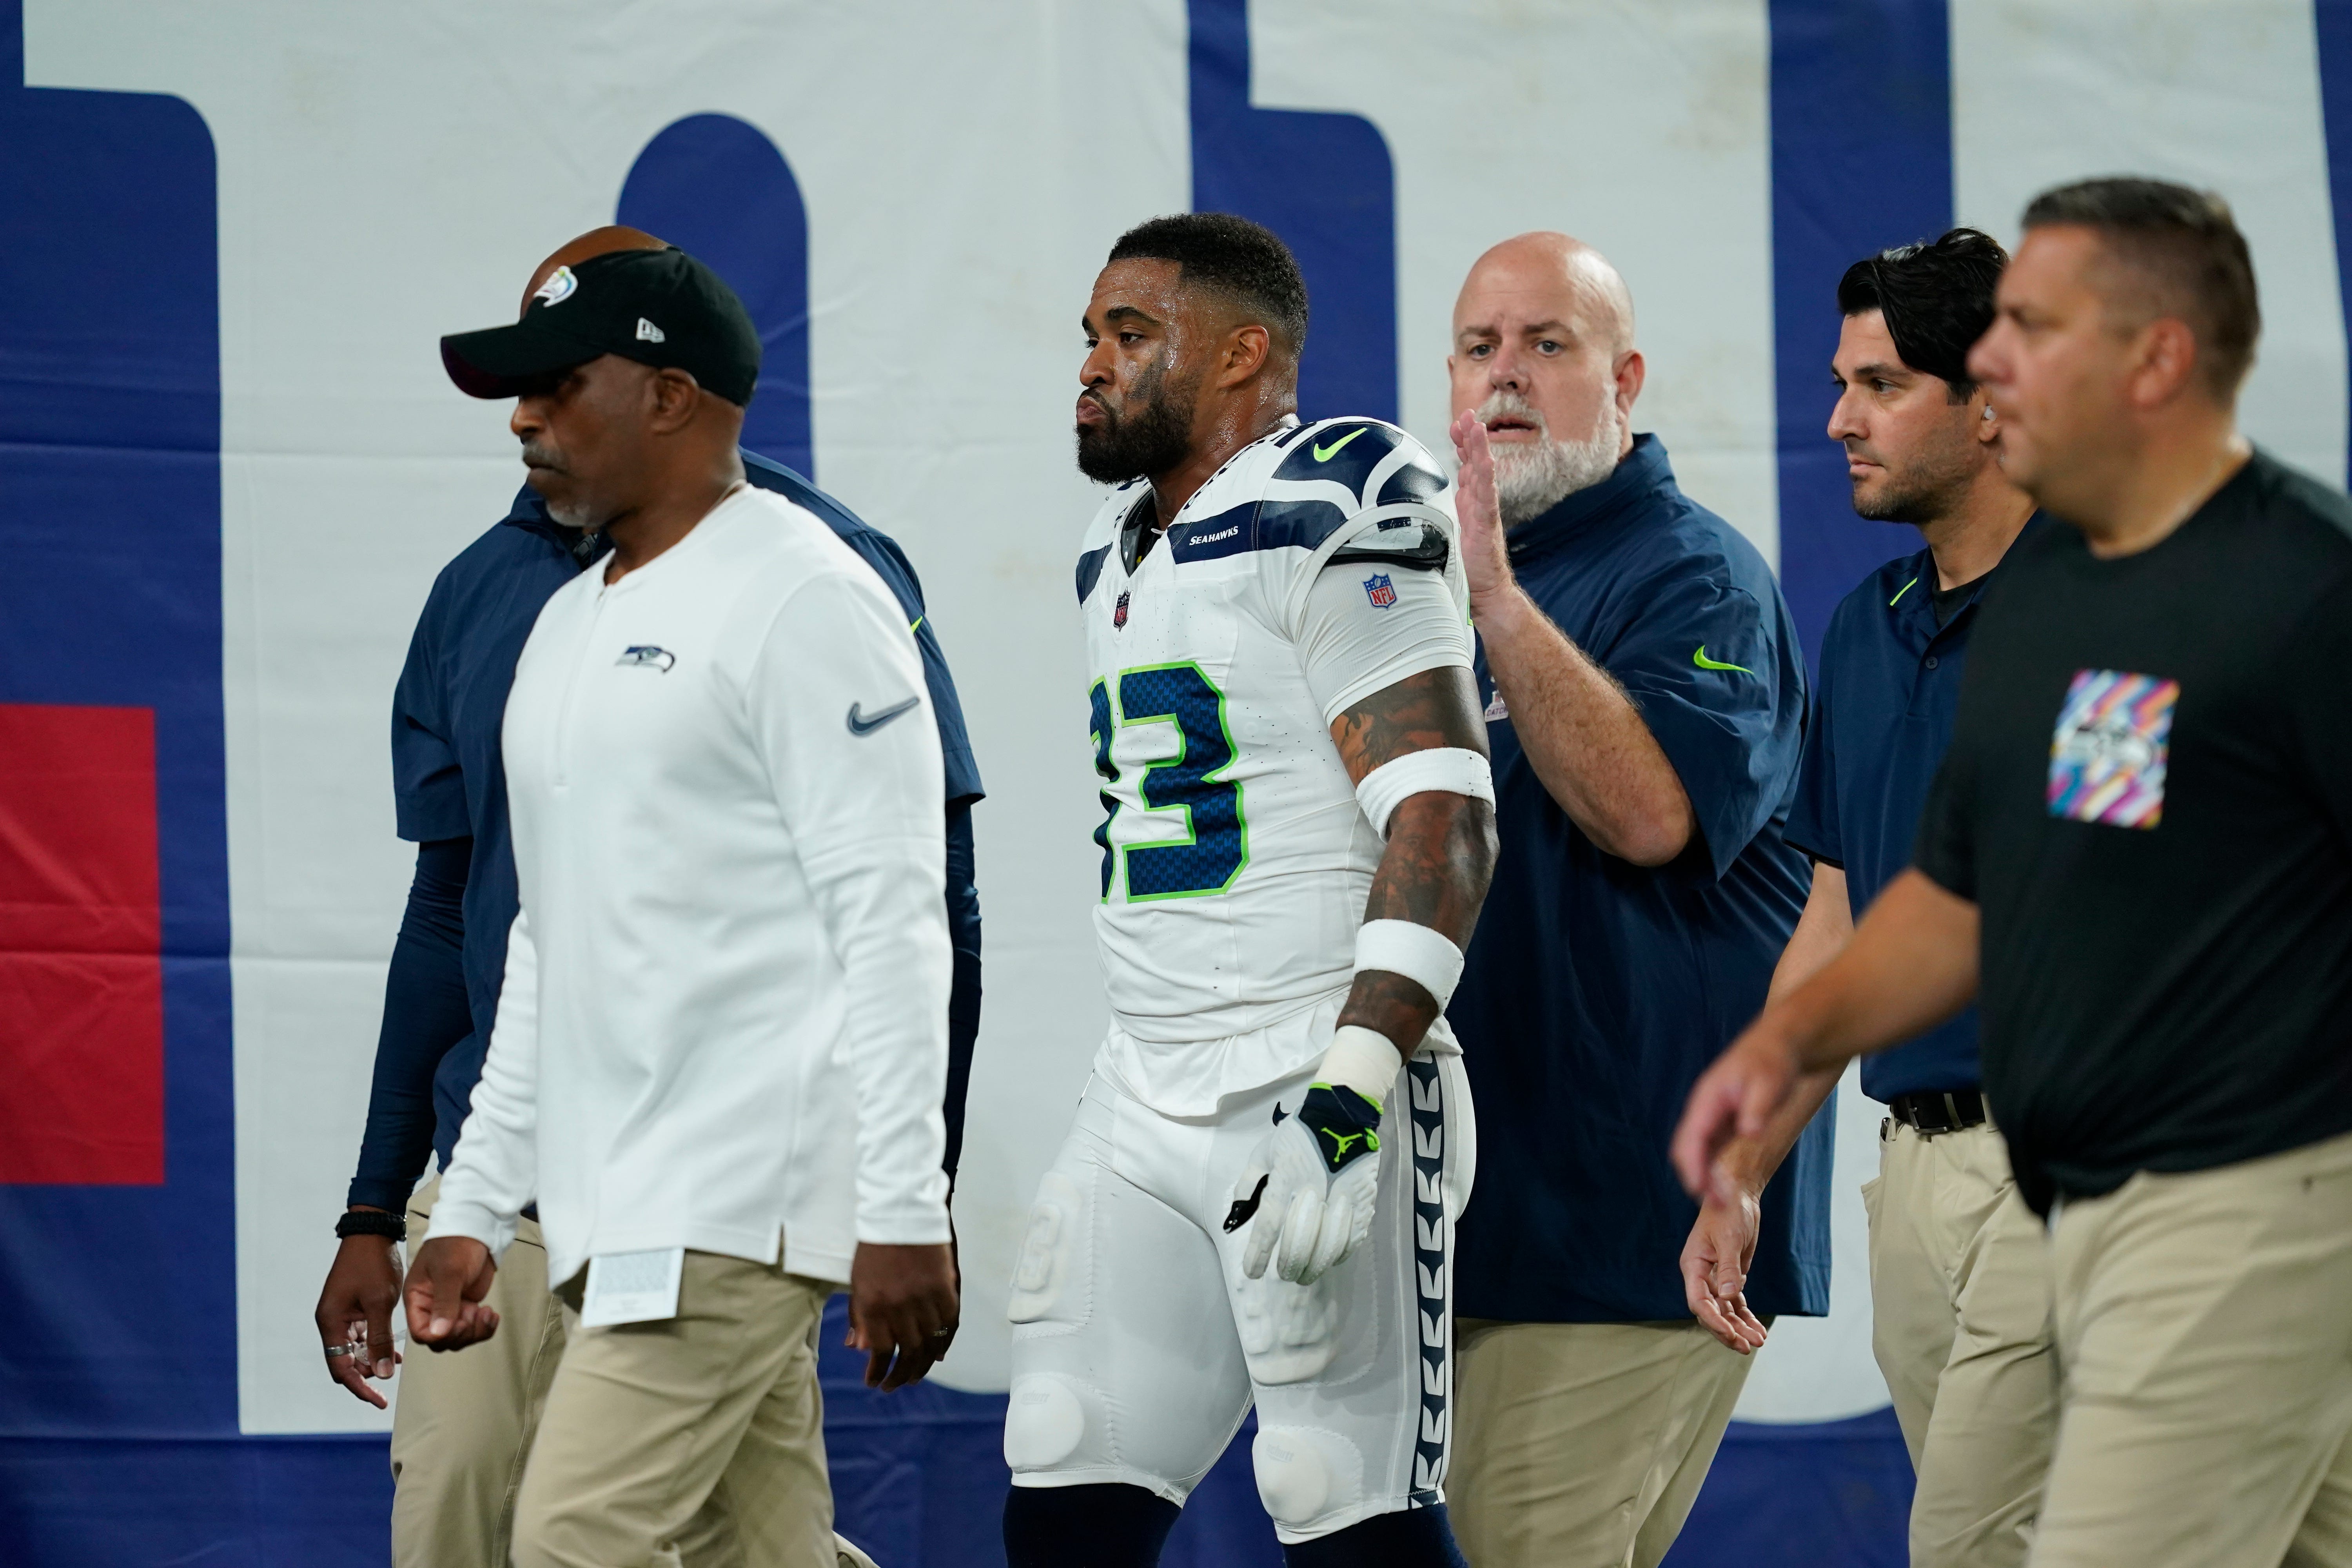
(725,1011)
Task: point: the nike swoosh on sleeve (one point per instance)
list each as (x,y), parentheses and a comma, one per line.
(1325,454)
(1698,658)
(859,724)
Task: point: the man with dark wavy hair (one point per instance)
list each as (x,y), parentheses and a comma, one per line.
(1959,1272)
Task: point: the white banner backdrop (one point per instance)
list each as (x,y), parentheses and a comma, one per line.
(389,173)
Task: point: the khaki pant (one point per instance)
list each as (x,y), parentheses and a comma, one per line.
(1583,1444)
(648,1422)
(1959,1289)
(2204,1324)
(463,1420)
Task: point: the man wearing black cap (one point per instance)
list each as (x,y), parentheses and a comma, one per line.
(721,1041)
(464,1424)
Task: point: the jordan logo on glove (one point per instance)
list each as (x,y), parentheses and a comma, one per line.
(1346,1125)
(1308,1195)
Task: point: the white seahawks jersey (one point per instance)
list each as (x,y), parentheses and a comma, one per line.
(1236,861)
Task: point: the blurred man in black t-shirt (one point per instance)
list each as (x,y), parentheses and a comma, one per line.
(2139,858)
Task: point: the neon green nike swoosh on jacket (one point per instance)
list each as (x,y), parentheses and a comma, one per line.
(1698,658)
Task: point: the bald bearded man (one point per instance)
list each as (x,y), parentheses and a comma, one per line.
(464,1424)
(1645,697)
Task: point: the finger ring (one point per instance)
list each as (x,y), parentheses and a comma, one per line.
(334,1350)
(942,1334)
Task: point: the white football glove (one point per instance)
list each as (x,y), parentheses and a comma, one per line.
(1308,1193)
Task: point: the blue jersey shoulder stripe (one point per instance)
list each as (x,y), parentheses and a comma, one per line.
(1303,523)
(1206,538)
(1090,566)
(1414,481)
(1261,525)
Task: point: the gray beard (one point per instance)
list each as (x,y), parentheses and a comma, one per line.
(1532,478)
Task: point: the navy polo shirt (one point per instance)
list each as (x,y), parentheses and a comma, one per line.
(449,783)
(1882,720)
(1595,991)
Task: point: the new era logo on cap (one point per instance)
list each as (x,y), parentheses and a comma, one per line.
(649,334)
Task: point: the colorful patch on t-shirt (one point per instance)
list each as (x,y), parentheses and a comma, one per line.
(2107,755)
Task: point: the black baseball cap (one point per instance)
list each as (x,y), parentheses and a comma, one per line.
(660,308)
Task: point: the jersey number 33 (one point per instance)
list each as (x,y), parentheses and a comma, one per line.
(1214,845)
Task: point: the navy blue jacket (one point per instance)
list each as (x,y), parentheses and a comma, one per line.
(449,788)
(1890,688)
(1597,990)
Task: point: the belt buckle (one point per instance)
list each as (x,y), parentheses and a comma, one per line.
(1919,1125)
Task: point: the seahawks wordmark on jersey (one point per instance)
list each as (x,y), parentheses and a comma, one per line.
(1314,568)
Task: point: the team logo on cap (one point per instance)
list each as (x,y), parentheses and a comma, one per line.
(558,288)
(649,334)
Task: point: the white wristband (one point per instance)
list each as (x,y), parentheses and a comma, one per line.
(1455,770)
(1364,1059)
(1414,950)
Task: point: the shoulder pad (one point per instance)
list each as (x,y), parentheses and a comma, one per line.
(1375,460)
(1397,542)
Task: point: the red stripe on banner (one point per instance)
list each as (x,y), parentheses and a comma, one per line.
(82,965)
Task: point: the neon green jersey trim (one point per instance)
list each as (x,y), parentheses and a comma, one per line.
(1903,590)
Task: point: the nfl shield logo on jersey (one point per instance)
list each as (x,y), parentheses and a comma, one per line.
(1380,590)
(1119,612)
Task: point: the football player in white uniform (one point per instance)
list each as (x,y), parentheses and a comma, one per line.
(1256,1200)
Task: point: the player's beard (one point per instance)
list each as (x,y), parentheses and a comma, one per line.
(1927,490)
(1152,437)
(1533,477)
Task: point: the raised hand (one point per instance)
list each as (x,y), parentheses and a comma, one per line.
(1484,561)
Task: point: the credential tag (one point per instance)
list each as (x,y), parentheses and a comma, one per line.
(632,1288)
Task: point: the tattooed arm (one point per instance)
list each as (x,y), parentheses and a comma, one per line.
(1309,1193)
(1440,852)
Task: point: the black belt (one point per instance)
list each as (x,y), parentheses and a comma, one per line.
(1949,1111)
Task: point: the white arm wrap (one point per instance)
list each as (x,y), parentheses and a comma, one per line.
(1364,1059)
(1414,950)
(1455,770)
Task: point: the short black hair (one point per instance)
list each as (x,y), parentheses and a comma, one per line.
(2186,247)
(1937,298)
(1245,262)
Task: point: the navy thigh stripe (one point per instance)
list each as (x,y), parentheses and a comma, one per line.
(1428,1115)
